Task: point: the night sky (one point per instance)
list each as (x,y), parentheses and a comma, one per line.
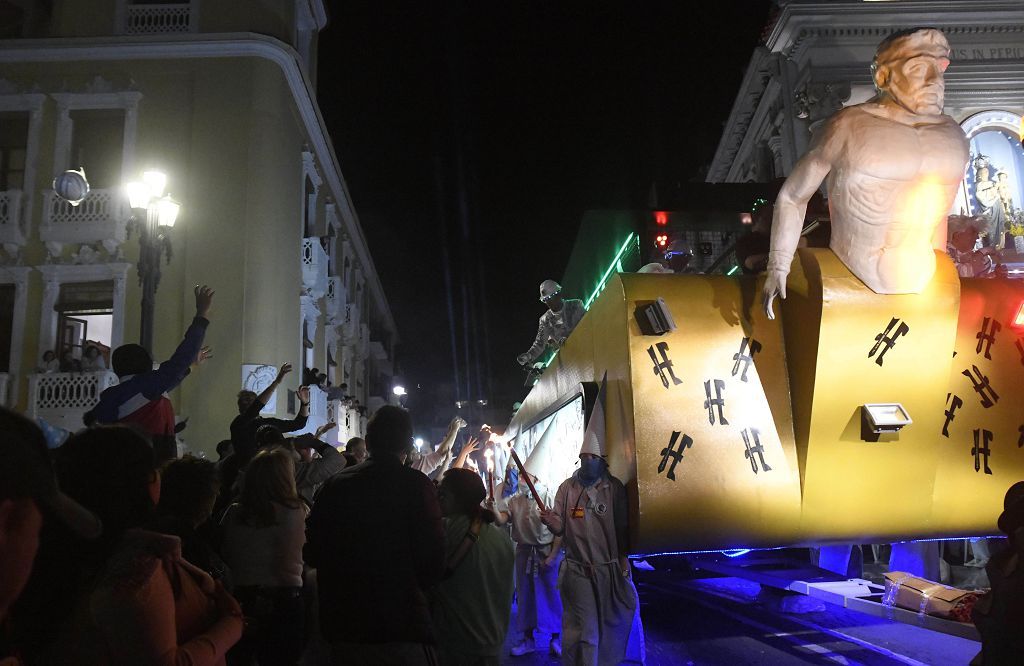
(473,134)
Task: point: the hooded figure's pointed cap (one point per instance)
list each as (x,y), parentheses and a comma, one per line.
(594,437)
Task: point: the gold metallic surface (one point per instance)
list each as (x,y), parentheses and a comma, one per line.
(968,501)
(803,395)
(855,490)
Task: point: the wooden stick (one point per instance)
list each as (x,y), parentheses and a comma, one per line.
(523,474)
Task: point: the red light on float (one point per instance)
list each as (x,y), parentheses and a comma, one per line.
(660,218)
(661,240)
(1018,321)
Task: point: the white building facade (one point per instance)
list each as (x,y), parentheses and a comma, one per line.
(220,96)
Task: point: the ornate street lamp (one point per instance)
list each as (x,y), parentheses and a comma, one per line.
(146,197)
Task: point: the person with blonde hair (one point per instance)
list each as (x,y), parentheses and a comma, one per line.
(264,533)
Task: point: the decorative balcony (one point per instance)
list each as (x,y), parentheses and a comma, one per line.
(63,398)
(314,267)
(334,415)
(100,217)
(10,218)
(350,327)
(335,298)
(159,19)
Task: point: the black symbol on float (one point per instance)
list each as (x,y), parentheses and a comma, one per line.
(675,454)
(987,335)
(663,368)
(886,340)
(755,449)
(1020,348)
(954,404)
(981,450)
(985,391)
(742,357)
(718,400)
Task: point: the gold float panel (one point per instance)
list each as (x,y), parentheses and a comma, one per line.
(855,490)
(968,501)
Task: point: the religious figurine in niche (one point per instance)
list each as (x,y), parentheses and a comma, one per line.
(986,193)
(893,166)
(1005,196)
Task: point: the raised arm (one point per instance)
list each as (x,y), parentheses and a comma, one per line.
(791,208)
(189,351)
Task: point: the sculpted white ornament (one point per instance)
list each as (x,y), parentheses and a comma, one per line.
(893,165)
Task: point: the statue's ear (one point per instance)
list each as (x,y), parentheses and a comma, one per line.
(880,74)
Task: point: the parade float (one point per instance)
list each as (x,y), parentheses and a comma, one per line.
(880,401)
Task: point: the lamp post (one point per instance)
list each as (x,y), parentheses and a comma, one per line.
(146,197)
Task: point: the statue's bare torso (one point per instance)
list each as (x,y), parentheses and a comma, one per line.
(892,178)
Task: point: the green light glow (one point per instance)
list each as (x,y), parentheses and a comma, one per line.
(615,265)
(733,270)
(604,278)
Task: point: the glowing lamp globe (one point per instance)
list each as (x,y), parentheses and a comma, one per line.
(72,186)
(167,211)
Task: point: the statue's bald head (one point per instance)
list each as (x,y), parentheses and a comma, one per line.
(908,66)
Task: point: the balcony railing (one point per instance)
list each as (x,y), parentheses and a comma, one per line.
(335,298)
(141,19)
(314,267)
(10,217)
(101,216)
(350,327)
(62,398)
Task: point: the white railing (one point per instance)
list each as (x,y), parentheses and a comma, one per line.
(314,267)
(62,398)
(350,327)
(5,381)
(335,297)
(334,414)
(10,217)
(159,19)
(101,216)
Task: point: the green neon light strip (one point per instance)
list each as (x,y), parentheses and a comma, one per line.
(733,270)
(615,264)
(611,268)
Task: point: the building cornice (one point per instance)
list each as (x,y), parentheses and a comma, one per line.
(799,21)
(209,46)
(755,81)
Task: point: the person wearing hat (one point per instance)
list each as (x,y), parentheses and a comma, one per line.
(555,325)
(999,615)
(28,487)
(963,232)
(600,621)
(538,554)
(140,396)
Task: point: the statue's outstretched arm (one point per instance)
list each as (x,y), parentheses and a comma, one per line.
(791,207)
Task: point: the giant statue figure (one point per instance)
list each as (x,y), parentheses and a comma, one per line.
(893,166)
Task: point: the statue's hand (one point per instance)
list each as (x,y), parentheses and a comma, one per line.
(774,285)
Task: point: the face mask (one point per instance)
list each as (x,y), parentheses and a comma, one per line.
(591,469)
(511,482)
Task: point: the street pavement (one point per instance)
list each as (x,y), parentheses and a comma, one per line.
(690,620)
